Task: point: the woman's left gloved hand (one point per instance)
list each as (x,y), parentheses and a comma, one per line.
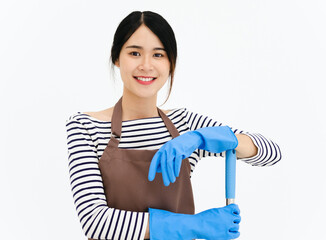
(168,158)
(214,223)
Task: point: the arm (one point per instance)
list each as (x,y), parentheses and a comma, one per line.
(147,230)
(98,221)
(268,152)
(246,147)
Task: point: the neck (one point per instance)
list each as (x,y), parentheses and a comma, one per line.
(135,107)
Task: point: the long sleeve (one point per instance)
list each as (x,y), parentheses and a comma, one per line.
(268,154)
(98,221)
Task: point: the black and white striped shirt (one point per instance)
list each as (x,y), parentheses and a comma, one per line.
(87,138)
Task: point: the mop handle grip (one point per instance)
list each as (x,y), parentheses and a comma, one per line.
(230,171)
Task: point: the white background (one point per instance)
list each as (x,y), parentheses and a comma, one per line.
(255,65)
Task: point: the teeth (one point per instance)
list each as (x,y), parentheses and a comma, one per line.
(145,79)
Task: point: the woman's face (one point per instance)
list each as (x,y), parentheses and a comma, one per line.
(141,59)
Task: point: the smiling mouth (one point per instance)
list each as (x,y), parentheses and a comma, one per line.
(145,79)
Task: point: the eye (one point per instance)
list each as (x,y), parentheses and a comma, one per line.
(134,53)
(158,55)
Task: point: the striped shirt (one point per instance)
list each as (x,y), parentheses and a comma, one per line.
(87,137)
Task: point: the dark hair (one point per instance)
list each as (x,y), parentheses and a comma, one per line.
(158,25)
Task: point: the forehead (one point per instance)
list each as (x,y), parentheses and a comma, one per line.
(145,38)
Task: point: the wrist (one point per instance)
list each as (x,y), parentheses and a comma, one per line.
(216,139)
(197,139)
(246,147)
(169,225)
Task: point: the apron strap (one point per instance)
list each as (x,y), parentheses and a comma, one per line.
(169,124)
(116,124)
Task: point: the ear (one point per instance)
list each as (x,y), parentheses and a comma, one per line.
(117,64)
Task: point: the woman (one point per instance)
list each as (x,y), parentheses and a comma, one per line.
(108,194)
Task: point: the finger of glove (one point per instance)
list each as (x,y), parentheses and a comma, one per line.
(165,175)
(234,208)
(237,219)
(178,163)
(155,163)
(234,229)
(170,162)
(234,235)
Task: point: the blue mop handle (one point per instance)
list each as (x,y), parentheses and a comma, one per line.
(230,167)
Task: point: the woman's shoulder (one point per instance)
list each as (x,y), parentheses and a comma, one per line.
(86,118)
(103,115)
(106,114)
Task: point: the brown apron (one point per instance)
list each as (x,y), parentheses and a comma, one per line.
(125,175)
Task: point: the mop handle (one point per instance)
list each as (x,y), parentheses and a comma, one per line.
(230,167)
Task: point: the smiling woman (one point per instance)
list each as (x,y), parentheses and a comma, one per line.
(145,41)
(111,153)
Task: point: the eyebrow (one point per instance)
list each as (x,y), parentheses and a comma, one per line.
(139,47)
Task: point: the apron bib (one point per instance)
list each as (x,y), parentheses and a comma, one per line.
(125,175)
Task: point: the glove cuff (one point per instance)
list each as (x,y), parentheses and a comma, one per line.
(235,138)
(217,139)
(168,225)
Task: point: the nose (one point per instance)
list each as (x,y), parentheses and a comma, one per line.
(146,63)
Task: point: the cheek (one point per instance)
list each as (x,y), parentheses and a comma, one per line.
(126,70)
(165,68)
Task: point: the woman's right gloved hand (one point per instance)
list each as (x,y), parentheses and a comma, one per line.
(216,223)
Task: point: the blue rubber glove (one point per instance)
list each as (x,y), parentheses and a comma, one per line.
(168,158)
(215,223)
